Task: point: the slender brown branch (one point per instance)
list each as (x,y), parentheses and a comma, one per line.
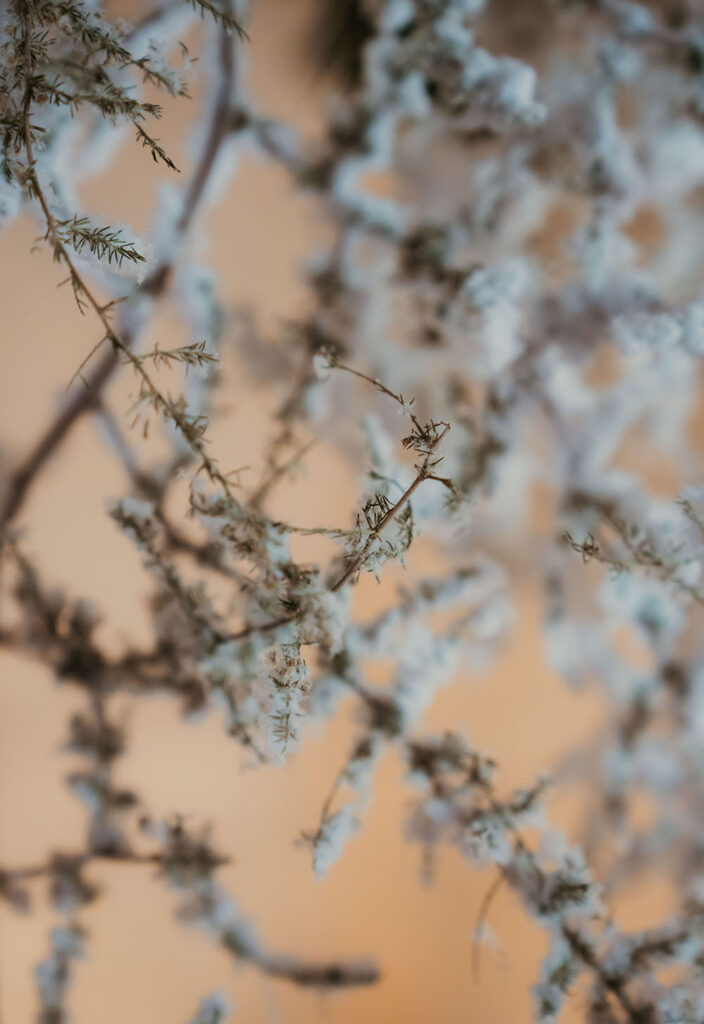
(78,860)
(351,569)
(358,560)
(423,473)
(277,471)
(581,949)
(154,286)
(324,975)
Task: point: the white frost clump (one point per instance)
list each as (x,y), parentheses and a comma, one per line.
(692,324)
(490,310)
(602,251)
(556,975)
(332,838)
(53,975)
(289,678)
(643,601)
(322,365)
(485,841)
(214,1009)
(396,15)
(564,384)
(501,92)
(634,19)
(642,332)
(676,160)
(427,662)
(678,1006)
(9,203)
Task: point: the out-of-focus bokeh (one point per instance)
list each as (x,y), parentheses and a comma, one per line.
(143,967)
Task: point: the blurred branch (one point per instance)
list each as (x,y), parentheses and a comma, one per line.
(22,479)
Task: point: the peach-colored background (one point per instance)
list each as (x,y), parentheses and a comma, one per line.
(142,967)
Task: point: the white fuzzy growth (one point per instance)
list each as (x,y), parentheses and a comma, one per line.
(53,975)
(470,8)
(166,236)
(643,601)
(516,93)
(611,150)
(427,663)
(491,312)
(289,679)
(214,1009)
(676,160)
(491,286)
(452,31)
(602,251)
(634,19)
(692,326)
(646,331)
(485,841)
(9,203)
(286,667)
(557,972)
(322,366)
(375,210)
(492,618)
(679,1006)
(332,838)
(324,616)
(564,384)
(396,15)
(284,712)
(501,91)
(225,663)
(198,295)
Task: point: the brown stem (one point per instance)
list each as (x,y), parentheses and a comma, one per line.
(359,558)
(351,569)
(47,868)
(278,471)
(23,478)
(581,949)
(325,975)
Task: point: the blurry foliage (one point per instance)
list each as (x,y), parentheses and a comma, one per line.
(463,360)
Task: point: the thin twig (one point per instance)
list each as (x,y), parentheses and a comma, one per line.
(154,286)
(484,908)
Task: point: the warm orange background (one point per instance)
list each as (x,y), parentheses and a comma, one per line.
(142,967)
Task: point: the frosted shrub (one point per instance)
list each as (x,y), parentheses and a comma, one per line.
(468,362)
